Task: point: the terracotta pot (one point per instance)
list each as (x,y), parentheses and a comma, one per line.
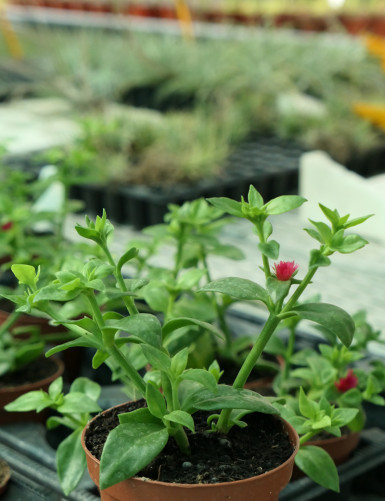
(265,487)
(9,394)
(72,358)
(5,475)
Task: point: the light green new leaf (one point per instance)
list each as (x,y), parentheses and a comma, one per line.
(283,204)
(155,401)
(128,449)
(202,377)
(181,417)
(25,273)
(70,461)
(31,401)
(318,465)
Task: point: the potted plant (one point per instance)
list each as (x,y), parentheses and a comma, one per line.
(167,419)
(23,368)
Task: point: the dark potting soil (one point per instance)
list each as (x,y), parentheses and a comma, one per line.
(37,370)
(261,446)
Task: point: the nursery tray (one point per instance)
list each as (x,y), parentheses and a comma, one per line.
(270,164)
(25,448)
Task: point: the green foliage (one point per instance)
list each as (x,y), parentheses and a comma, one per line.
(172,389)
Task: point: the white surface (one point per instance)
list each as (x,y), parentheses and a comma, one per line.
(322,180)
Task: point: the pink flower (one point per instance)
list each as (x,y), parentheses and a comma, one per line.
(284,270)
(7,226)
(347,383)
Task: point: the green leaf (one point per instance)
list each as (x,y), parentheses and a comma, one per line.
(31,401)
(78,403)
(179,362)
(239,288)
(332,215)
(318,465)
(270,249)
(356,221)
(25,274)
(277,289)
(351,243)
(86,386)
(324,230)
(227,397)
(70,461)
(139,416)
(333,318)
(283,204)
(156,358)
(181,417)
(127,256)
(342,417)
(155,400)
(202,377)
(55,388)
(99,358)
(227,205)
(318,259)
(178,323)
(144,327)
(307,407)
(128,449)
(190,279)
(255,198)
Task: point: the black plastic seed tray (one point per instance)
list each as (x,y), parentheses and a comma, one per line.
(270,164)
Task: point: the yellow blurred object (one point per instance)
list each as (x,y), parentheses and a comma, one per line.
(374,113)
(375,45)
(185,18)
(9,34)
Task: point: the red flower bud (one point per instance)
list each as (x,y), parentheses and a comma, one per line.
(347,383)
(284,270)
(7,226)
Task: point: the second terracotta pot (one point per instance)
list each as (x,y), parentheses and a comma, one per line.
(9,394)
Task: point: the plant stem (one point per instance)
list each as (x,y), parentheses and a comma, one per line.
(12,318)
(307,436)
(182,441)
(111,348)
(288,355)
(247,366)
(301,287)
(265,259)
(128,301)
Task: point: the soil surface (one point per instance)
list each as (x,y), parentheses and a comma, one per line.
(243,453)
(35,371)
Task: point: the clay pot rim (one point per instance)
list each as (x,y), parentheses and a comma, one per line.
(332,440)
(37,384)
(289,428)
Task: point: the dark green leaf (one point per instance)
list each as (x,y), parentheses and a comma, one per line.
(70,461)
(270,249)
(318,465)
(129,448)
(333,318)
(239,288)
